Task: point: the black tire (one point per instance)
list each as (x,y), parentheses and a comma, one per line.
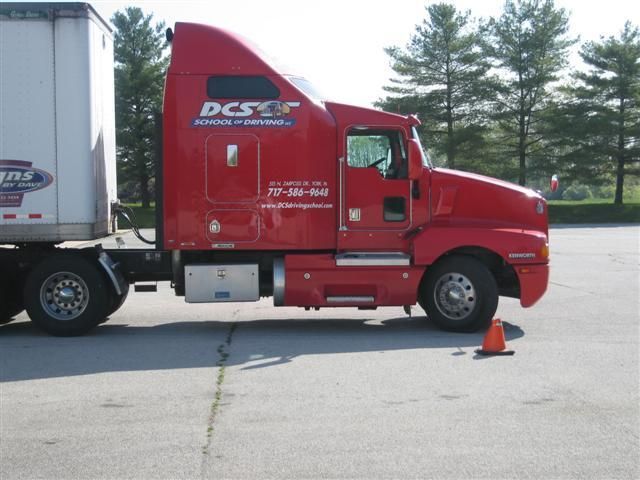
(10,299)
(116,301)
(459,294)
(71,279)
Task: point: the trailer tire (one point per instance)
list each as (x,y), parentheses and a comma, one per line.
(66,295)
(459,294)
(10,300)
(8,313)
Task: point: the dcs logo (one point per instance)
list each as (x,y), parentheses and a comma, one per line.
(269,109)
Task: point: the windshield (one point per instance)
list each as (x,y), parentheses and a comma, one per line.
(307,87)
(426,161)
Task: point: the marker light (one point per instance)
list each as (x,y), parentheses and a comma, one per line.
(544,251)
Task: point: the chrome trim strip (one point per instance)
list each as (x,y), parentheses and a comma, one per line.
(278,282)
(350,299)
(341,190)
(357,259)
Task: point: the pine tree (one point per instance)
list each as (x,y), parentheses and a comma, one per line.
(528,45)
(602,113)
(139,76)
(442,73)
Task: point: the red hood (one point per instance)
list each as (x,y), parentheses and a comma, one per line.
(484,179)
(461,198)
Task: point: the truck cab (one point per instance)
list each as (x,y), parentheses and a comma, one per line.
(336,205)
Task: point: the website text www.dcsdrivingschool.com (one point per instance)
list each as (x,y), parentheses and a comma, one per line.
(303,206)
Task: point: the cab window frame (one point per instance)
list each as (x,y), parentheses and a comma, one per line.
(250,87)
(396,150)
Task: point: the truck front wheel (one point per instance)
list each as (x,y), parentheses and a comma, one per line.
(459,294)
(66,295)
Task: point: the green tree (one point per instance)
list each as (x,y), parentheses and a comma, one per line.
(601,116)
(442,73)
(139,74)
(528,45)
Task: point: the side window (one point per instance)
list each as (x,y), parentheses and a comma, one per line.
(383,150)
(236,86)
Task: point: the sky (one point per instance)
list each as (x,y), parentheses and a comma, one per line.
(338,44)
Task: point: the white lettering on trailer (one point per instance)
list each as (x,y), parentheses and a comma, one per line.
(16,176)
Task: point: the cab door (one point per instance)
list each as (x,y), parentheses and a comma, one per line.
(376,189)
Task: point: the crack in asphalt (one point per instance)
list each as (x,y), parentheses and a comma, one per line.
(223,355)
(577,289)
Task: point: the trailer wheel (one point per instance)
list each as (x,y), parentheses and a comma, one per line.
(66,295)
(10,300)
(459,294)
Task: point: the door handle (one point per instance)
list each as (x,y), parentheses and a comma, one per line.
(232,155)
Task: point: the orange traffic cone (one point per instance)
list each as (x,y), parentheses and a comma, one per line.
(494,343)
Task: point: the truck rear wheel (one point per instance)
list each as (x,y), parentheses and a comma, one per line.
(66,295)
(459,294)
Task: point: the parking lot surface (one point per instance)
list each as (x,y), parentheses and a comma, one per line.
(170,390)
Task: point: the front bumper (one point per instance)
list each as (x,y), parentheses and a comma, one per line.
(533,282)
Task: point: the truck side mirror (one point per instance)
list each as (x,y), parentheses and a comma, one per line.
(415,159)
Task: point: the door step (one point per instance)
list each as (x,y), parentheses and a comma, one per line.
(376,259)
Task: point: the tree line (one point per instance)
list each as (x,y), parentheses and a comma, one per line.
(140,67)
(495,96)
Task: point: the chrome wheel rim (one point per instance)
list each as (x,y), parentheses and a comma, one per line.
(455,296)
(64,296)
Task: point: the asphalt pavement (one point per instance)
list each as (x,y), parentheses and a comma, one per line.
(171,390)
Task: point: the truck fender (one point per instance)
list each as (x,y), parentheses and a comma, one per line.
(515,246)
(112,270)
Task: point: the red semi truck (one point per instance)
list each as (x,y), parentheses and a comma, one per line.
(265,188)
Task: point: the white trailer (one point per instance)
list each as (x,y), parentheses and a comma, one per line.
(57,123)
(57,165)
